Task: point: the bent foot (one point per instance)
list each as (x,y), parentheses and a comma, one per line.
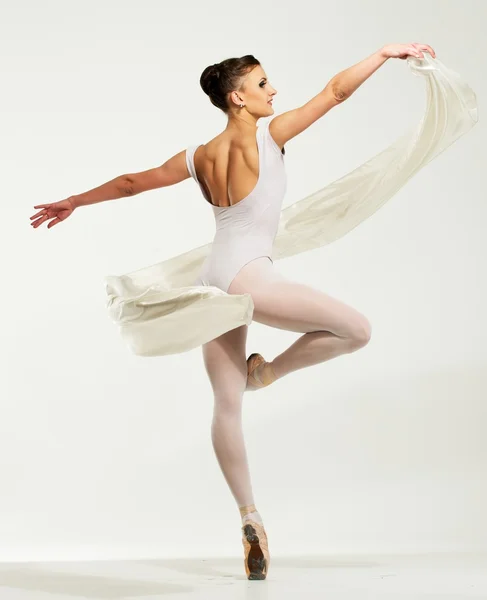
(259,373)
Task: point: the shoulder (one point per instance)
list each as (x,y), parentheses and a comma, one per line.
(267,132)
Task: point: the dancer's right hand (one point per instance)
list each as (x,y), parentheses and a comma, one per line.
(59,211)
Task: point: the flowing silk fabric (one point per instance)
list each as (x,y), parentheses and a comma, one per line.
(160,312)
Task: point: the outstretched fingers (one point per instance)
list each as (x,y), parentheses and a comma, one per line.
(39,214)
(42,217)
(38,221)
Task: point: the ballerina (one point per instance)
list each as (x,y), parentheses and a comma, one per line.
(241,174)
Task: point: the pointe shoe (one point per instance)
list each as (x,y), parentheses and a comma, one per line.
(253,382)
(256,549)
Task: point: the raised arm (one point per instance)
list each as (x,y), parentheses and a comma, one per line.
(172,171)
(340,87)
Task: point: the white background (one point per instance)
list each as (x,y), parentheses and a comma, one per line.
(104,454)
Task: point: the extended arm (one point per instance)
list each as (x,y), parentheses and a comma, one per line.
(171,172)
(340,87)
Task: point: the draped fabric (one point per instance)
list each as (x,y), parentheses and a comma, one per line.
(160,312)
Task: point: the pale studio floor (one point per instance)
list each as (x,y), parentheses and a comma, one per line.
(428,577)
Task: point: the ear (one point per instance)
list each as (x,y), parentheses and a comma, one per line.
(235,98)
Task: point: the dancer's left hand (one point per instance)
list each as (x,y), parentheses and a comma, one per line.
(402,51)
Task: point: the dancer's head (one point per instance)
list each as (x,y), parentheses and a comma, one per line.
(237,81)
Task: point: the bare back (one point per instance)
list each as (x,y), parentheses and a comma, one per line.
(245,181)
(228,167)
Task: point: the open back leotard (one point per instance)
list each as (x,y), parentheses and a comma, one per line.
(246,230)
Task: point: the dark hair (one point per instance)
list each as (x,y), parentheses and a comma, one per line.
(218,80)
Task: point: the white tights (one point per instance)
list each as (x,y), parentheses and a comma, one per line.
(330,328)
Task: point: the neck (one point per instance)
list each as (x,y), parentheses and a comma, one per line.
(242,122)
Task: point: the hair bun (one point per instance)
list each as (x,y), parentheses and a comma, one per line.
(219,79)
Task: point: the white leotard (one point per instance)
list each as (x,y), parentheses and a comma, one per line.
(246,230)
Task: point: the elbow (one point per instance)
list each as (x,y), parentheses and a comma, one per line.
(338,91)
(127,186)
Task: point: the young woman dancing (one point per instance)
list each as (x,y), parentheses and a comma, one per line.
(241,174)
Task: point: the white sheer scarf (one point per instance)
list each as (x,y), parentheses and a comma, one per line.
(159,312)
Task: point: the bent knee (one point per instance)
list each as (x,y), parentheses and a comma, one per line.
(360,333)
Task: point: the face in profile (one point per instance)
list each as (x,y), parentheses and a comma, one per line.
(257,93)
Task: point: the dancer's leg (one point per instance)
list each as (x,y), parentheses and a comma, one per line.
(225,363)
(331,327)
